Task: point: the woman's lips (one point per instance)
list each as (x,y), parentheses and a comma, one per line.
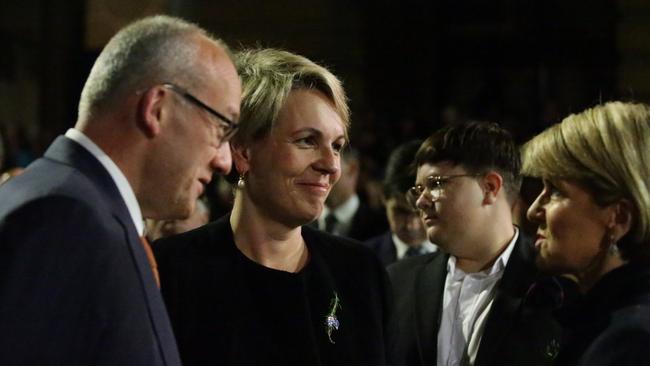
(316,187)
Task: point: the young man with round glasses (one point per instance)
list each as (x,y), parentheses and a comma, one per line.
(468,304)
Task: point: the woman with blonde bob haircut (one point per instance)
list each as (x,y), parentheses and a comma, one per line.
(594,226)
(258,287)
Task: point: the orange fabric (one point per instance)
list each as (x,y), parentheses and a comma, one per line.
(151,258)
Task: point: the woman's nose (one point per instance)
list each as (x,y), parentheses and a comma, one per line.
(535,211)
(329,161)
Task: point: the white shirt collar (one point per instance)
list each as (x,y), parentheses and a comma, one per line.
(343,213)
(120,180)
(499,263)
(401,247)
(467,302)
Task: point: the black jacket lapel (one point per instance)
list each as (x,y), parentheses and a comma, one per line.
(519,273)
(430,285)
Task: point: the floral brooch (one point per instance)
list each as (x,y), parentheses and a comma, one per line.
(331,321)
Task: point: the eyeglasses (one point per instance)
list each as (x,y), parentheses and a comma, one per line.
(229,127)
(435,184)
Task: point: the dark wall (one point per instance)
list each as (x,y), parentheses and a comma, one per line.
(408,66)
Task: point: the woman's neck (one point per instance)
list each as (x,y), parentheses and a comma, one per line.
(602,265)
(266,241)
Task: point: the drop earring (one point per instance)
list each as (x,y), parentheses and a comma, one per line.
(612,245)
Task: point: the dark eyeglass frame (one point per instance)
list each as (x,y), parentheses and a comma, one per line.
(432,182)
(228,125)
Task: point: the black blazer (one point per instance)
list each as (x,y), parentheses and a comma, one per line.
(384,248)
(228,310)
(610,326)
(75,284)
(520,329)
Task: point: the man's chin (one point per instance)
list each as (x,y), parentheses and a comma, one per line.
(182,212)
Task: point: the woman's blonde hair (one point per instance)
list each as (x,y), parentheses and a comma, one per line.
(605,149)
(268,76)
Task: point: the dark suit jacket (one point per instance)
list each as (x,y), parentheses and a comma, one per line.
(384,248)
(367,223)
(519,331)
(75,284)
(228,310)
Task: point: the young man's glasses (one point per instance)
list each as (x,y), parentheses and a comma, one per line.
(435,184)
(228,126)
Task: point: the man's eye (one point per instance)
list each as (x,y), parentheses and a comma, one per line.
(436,182)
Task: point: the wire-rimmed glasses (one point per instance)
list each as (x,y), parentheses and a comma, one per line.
(228,126)
(435,184)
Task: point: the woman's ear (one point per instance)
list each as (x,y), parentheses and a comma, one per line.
(492,183)
(621,218)
(240,157)
(150,110)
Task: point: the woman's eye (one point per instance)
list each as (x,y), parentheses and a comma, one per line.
(338,147)
(305,141)
(552,190)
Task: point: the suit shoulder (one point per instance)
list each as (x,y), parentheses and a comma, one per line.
(412,264)
(338,249)
(49,210)
(332,242)
(44,181)
(378,241)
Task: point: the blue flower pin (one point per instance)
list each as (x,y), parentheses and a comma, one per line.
(331,321)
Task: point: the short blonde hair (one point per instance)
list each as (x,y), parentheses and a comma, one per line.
(268,76)
(605,149)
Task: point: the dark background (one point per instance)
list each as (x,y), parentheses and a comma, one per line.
(408,66)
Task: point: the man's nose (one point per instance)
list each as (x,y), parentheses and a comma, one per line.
(222,160)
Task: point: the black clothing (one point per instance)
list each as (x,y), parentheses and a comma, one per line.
(520,329)
(229,310)
(611,324)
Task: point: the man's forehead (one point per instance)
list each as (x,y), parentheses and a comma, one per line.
(439,168)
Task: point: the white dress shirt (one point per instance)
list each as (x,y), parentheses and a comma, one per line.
(467,301)
(120,180)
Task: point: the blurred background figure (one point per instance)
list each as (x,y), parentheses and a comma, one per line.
(2,151)
(10,173)
(406,236)
(157,229)
(345,214)
(5,175)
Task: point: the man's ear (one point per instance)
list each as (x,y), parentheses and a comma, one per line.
(240,157)
(621,218)
(492,183)
(151,110)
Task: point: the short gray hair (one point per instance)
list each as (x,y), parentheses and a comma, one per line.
(149,51)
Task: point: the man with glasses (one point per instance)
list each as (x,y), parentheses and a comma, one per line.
(78,284)
(472,303)
(406,236)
